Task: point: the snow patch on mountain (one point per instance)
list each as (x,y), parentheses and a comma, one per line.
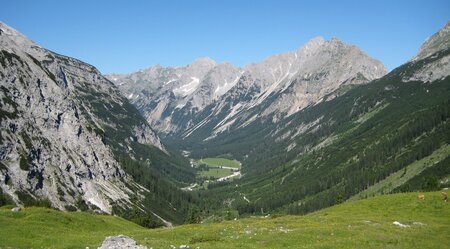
(188,88)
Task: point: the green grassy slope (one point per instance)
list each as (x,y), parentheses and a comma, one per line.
(41,227)
(366,223)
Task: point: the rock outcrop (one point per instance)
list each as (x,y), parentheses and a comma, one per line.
(429,63)
(62,127)
(120,242)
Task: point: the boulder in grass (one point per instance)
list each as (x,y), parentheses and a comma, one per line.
(120,242)
(16,209)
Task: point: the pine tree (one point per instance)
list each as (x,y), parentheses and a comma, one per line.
(193,216)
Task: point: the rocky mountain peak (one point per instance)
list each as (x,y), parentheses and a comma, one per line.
(10,35)
(435,43)
(203,62)
(435,50)
(221,79)
(5,29)
(335,43)
(311,45)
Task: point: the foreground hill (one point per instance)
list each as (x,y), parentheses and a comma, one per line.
(366,223)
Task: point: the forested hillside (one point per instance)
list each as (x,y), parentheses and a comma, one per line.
(336,149)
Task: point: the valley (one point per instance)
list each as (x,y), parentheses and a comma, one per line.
(318,147)
(220,169)
(210,170)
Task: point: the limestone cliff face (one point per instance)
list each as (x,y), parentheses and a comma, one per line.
(437,42)
(55,114)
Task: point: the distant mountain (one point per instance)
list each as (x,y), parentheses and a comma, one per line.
(213,98)
(164,93)
(68,137)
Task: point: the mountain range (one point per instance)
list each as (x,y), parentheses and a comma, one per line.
(182,100)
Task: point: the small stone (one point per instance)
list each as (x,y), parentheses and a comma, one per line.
(16,210)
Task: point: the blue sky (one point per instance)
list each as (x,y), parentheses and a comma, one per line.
(125,36)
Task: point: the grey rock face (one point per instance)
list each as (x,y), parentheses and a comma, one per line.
(437,42)
(305,76)
(163,92)
(437,67)
(54,110)
(284,84)
(120,242)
